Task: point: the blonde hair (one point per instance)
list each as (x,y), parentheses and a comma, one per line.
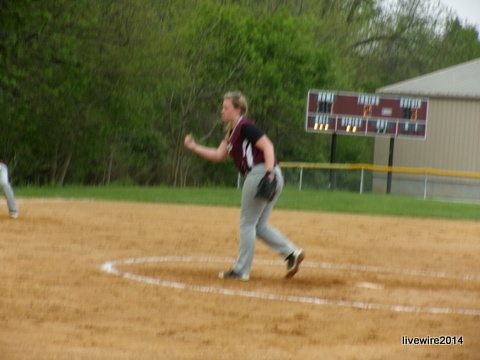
(239,102)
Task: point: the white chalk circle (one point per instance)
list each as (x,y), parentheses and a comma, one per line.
(111,267)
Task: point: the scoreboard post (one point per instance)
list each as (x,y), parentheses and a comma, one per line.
(349,113)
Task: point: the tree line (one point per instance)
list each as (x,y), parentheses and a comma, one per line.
(104,92)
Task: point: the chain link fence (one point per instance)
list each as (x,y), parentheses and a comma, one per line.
(365,178)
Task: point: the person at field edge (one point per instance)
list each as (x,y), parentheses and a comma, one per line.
(7,191)
(254,156)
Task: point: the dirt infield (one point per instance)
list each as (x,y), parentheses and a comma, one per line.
(110,280)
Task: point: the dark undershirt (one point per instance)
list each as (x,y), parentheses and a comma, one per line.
(251,133)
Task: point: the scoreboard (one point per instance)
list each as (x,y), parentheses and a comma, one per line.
(366,114)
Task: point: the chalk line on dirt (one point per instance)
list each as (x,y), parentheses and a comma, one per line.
(110,267)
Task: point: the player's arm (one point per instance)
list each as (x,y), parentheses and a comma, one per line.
(212,154)
(266,146)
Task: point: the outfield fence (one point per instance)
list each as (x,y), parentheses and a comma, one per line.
(418,182)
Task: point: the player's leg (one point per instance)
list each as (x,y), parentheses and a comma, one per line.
(275,239)
(250,212)
(269,234)
(7,191)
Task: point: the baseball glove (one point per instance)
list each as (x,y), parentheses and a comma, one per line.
(266,189)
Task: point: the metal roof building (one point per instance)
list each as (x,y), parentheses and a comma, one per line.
(452,142)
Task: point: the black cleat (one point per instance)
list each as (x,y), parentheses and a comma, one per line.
(233,275)
(293,262)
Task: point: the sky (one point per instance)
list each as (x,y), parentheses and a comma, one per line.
(467,10)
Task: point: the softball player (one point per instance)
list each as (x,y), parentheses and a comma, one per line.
(254,156)
(7,191)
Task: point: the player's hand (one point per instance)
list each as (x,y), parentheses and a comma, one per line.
(267,188)
(189,142)
(271,176)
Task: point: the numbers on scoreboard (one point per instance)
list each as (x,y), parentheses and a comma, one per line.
(325,107)
(366,114)
(351,123)
(367,110)
(325,102)
(410,113)
(410,107)
(322,123)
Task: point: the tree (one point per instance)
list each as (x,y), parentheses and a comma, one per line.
(43,80)
(272,59)
(458,43)
(98,92)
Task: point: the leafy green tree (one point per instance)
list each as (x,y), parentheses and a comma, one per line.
(458,43)
(409,39)
(42,82)
(286,64)
(102,92)
(271,58)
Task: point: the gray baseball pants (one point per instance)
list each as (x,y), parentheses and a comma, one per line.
(7,189)
(254,221)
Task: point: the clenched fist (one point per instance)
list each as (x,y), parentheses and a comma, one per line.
(189,142)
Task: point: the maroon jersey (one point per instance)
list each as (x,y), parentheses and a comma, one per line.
(241,145)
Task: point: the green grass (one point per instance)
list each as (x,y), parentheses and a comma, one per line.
(291,199)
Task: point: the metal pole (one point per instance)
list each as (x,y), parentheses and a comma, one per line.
(333,153)
(425,187)
(361,181)
(390,163)
(301,179)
